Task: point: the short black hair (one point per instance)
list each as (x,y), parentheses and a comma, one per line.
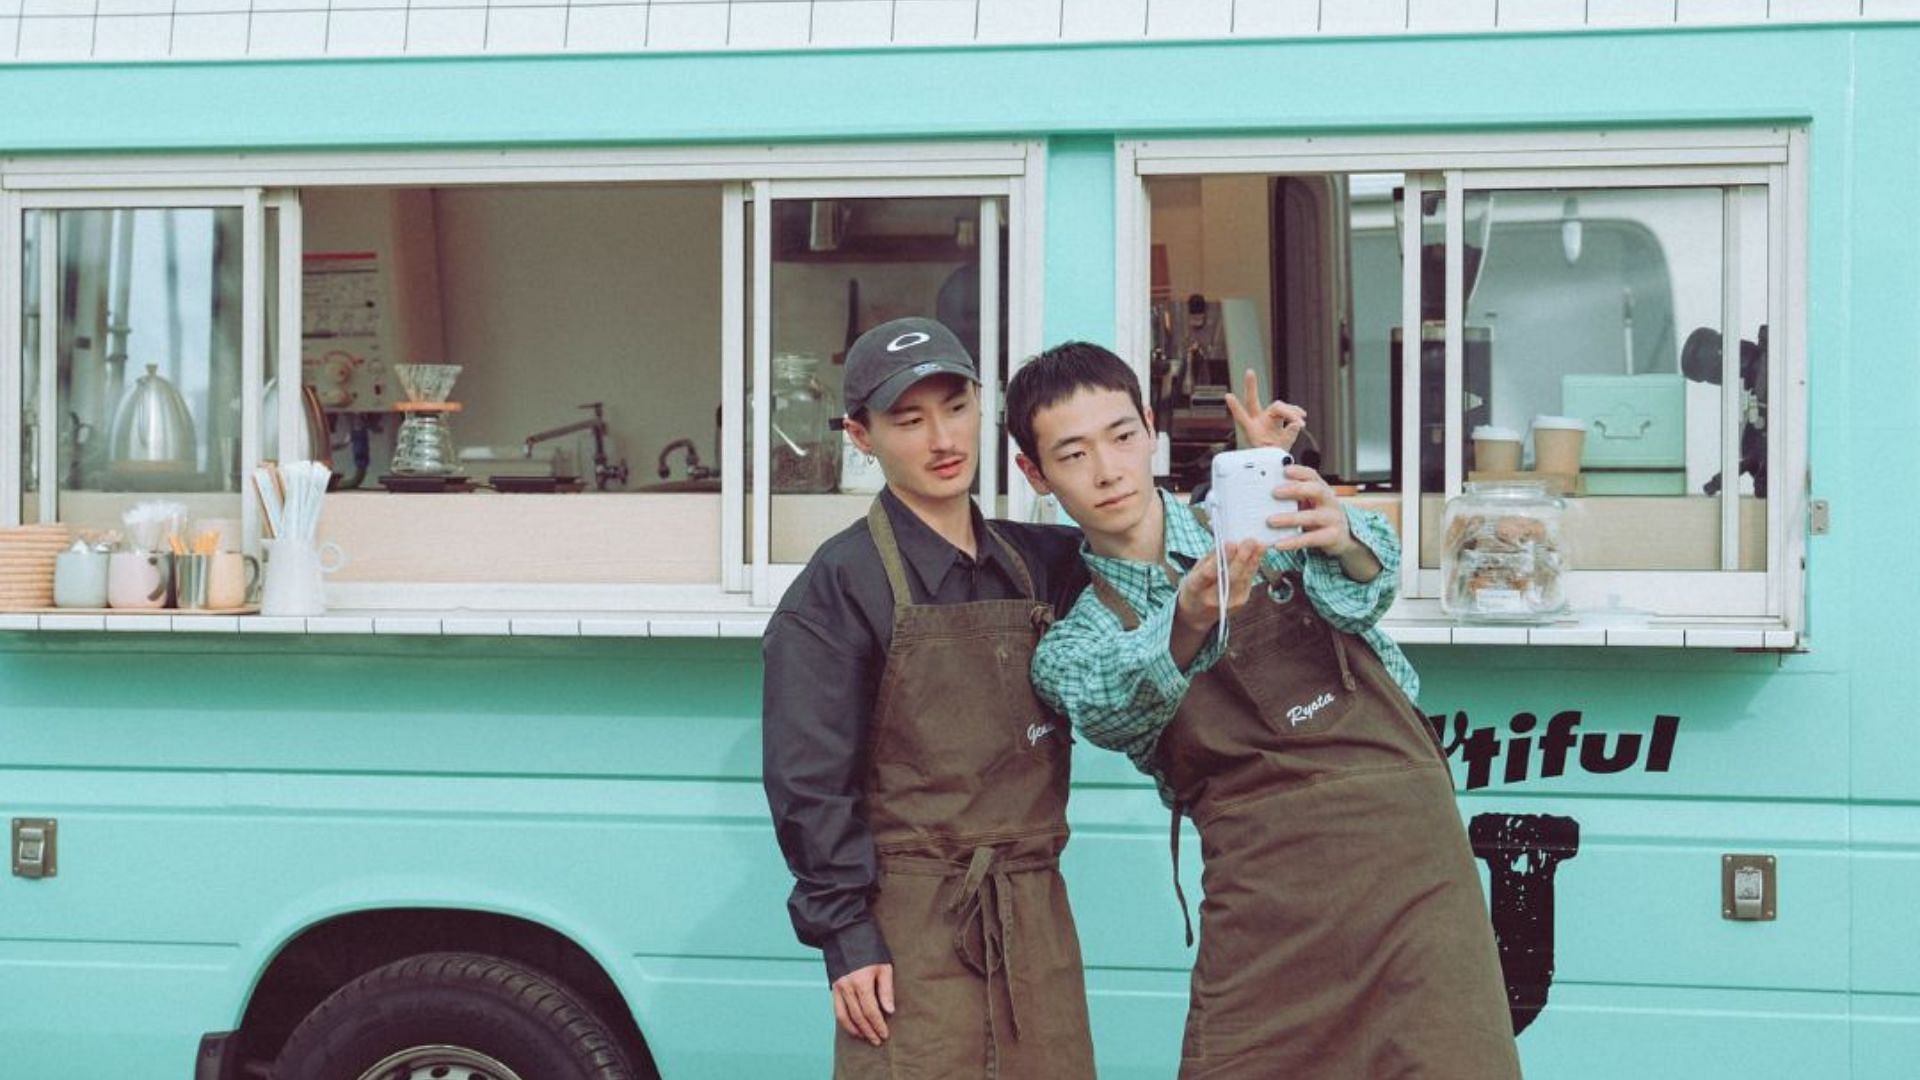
(1056,375)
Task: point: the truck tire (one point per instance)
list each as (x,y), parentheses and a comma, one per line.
(452,1016)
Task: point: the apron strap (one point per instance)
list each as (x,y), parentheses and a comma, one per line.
(881,526)
(1110,596)
(1179,893)
(985,897)
(1021,575)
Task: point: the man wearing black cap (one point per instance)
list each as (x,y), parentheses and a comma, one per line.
(918,787)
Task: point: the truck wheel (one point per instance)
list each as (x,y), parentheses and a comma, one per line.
(452,1016)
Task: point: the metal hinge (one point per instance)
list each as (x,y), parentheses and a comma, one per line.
(36,847)
(1819,517)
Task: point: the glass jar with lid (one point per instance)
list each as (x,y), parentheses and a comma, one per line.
(805,449)
(1504,556)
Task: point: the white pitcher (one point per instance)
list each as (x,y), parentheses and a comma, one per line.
(295,585)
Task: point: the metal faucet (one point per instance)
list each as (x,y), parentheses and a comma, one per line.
(605,473)
(695,470)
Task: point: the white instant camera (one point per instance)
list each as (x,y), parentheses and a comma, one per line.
(1241,499)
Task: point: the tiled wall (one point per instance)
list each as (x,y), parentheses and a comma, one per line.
(61,30)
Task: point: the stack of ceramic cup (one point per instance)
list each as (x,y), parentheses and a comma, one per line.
(27,554)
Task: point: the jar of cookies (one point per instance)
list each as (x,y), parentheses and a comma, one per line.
(1505,555)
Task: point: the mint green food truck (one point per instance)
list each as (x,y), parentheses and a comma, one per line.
(512,768)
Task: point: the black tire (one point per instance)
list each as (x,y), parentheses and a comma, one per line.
(462,1012)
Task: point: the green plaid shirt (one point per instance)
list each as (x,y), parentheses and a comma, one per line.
(1121,688)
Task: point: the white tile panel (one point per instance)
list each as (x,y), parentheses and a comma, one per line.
(526,29)
(367,33)
(1541,14)
(129,37)
(9,36)
(1189,18)
(686,628)
(214,7)
(1647,636)
(73,622)
(338,6)
(340,624)
(1712,12)
(209,35)
(125,7)
(545,627)
(61,38)
(140,624)
(770,24)
(1891,9)
(599,627)
(418,4)
(687,26)
(491,626)
(1104,20)
(1782,639)
(1363,16)
(1019,20)
(1814,10)
(608,28)
(58,7)
(1276,18)
(1567,635)
(1412,634)
(934,22)
(206,624)
(744,628)
(8,9)
(852,22)
(288,33)
(1489,635)
(407,625)
(259,6)
(1450,16)
(1726,638)
(273,624)
(1630,12)
(16,621)
(446,30)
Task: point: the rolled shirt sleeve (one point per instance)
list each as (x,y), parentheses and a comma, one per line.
(1354,607)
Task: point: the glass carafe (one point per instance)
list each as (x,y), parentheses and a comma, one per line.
(805,450)
(424,446)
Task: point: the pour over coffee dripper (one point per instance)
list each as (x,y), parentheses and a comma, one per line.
(424,445)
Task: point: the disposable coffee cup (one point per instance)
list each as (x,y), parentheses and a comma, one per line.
(1557,442)
(1496,449)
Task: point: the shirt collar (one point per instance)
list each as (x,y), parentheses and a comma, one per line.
(1186,538)
(930,555)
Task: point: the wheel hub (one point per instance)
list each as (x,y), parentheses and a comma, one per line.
(439,1063)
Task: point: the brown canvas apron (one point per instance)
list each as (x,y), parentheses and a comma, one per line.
(1343,933)
(966,797)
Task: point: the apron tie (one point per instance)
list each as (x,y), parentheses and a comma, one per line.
(985,897)
(1340,653)
(1179,893)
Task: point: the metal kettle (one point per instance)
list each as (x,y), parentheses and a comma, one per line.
(153,429)
(312,435)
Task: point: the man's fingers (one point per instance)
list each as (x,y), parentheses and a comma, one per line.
(886,988)
(1252,383)
(840,1014)
(869,1007)
(1242,417)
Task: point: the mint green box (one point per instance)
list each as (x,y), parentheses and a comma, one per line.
(1635,481)
(1633,421)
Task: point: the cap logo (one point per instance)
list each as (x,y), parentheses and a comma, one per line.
(908,341)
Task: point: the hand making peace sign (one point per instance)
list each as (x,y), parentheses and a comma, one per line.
(1276,424)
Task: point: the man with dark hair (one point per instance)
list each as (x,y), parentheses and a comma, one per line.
(1343,933)
(918,787)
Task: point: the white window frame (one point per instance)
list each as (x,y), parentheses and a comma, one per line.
(1013,170)
(1776,157)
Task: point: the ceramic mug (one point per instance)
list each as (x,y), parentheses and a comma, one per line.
(80,579)
(137,579)
(233,581)
(294,570)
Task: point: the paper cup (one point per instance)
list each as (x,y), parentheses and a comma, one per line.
(1557,442)
(1496,449)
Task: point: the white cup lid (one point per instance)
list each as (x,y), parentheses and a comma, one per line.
(1560,423)
(1496,434)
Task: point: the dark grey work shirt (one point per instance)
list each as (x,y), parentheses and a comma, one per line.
(824,649)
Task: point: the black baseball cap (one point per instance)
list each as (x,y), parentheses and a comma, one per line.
(891,357)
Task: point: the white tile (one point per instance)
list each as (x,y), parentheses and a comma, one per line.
(764,25)
(340,624)
(1189,19)
(140,624)
(1698,12)
(1630,12)
(608,28)
(418,4)
(1103,20)
(366,33)
(483,626)
(1410,634)
(523,30)
(1782,639)
(541,627)
(687,26)
(1726,638)
(934,22)
(284,5)
(851,23)
(63,38)
(1490,635)
(129,7)
(685,628)
(1567,635)
(206,624)
(339,6)
(9,36)
(446,31)
(58,7)
(744,628)
(1647,636)
(273,624)
(597,627)
(16,621)
(131,37)
(1445,16)
(8,9)
(1891,9)
(418,626)
(208,36)
(1815,10)
(1542,14)
(73,622)
(1276,18)
(1363,16)
(1019,20)
(288,33)
(218,7)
